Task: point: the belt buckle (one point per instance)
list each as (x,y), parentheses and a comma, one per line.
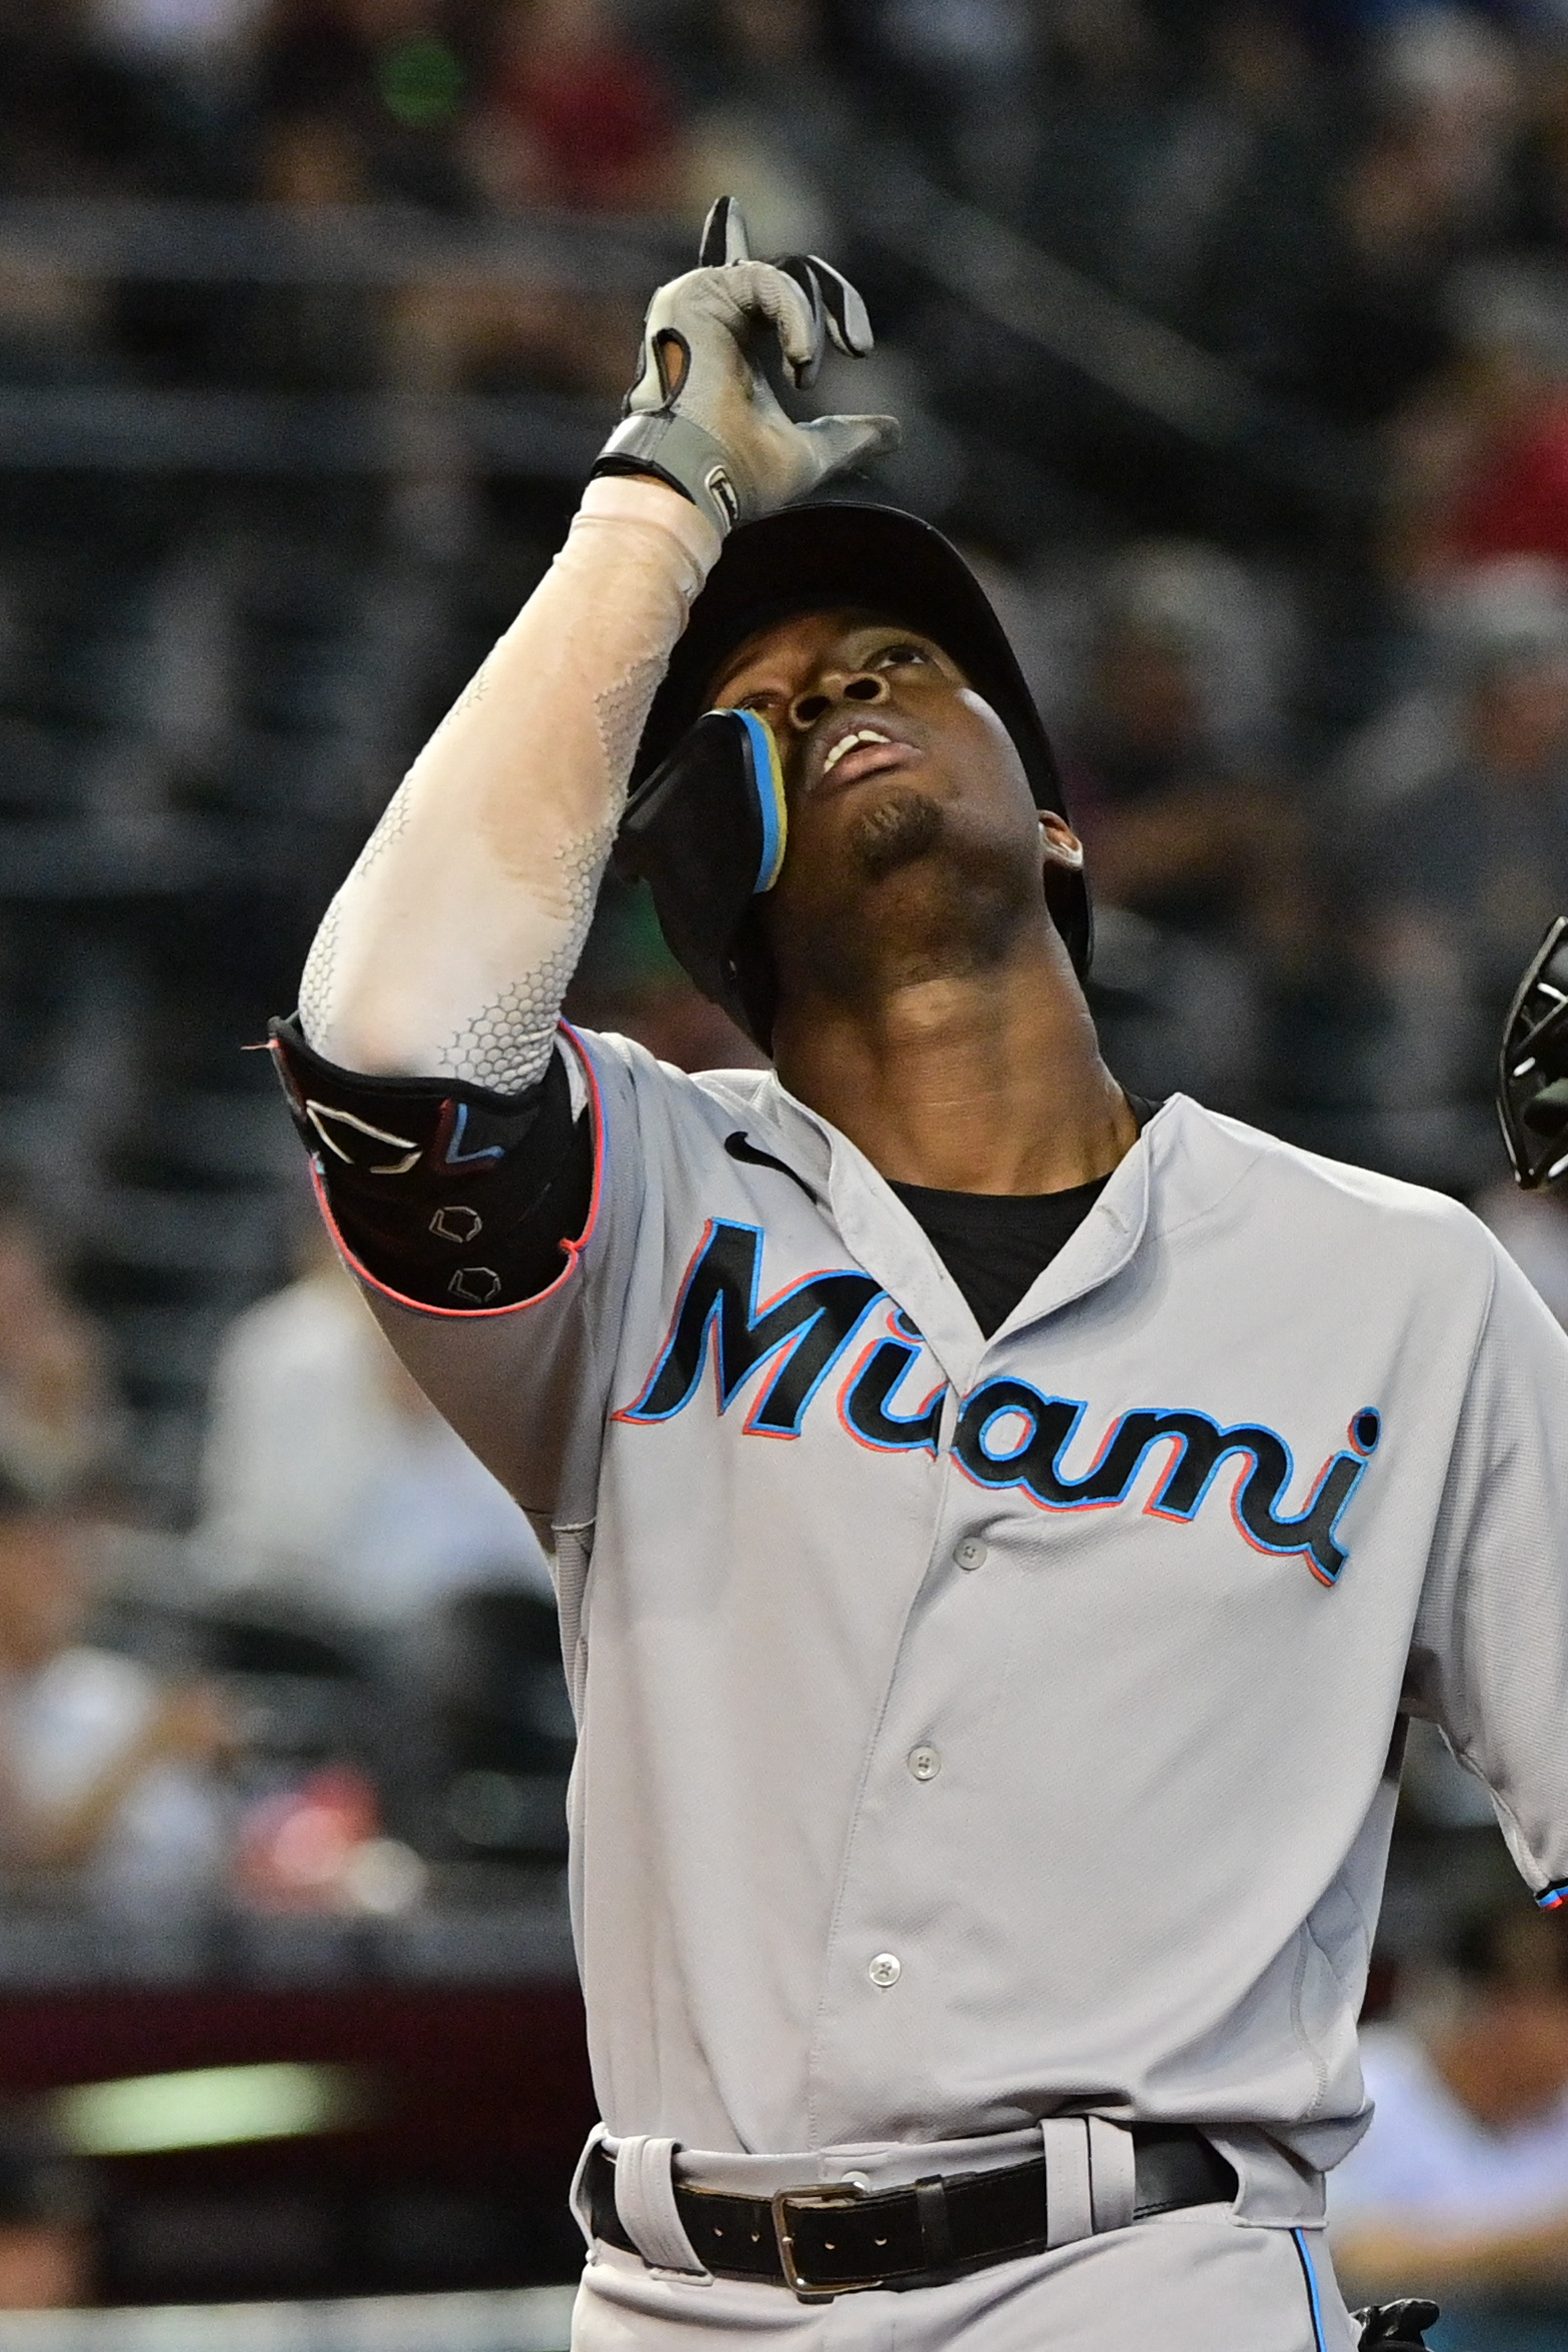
(816,2200)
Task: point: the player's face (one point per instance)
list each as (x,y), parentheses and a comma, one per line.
(890,758)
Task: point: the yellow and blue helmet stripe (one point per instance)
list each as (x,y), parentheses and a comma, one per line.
(766,774)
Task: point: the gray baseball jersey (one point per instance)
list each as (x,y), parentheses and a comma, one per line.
(973,1728)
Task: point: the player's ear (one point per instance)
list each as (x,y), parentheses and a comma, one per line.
(1059,843)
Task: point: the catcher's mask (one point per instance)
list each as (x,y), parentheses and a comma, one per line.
(1532,1069)
(705,823)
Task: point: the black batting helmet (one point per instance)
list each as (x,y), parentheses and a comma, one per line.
(704,823)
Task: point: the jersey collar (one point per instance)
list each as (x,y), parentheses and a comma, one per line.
(886,1239)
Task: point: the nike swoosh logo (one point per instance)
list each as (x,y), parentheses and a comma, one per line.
(739,1146)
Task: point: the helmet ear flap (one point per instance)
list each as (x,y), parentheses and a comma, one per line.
(707,833)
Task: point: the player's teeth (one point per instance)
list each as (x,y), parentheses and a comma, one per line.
(847,743)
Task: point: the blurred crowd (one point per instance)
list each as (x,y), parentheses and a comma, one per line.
(1305,643)
(356,1638)
(1460,2189)
(1231,341)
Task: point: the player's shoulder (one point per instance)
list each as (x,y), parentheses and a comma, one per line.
(1206,1162)
(627,1075)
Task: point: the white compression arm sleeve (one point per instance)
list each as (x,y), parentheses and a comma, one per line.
(450,946)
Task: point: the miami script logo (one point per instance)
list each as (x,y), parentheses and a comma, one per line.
(1008,1435)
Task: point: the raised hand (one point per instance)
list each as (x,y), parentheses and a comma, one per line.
(701,416)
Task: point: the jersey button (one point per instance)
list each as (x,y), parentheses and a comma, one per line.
(970,1554)
(885,1970)
(925,1763)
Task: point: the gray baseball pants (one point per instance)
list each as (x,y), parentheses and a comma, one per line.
(1193,2281)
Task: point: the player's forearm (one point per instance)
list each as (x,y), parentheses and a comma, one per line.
(448,948)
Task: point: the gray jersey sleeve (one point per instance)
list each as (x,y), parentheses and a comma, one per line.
(528,1386)
(1489,1660)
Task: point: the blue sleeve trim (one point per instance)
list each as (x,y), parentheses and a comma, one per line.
(1551,1898)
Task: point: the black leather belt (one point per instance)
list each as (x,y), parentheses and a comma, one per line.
(837,2239)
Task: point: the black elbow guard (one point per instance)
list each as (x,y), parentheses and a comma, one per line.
(446,1195)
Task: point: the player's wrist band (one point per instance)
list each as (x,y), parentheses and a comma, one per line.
(838,2241)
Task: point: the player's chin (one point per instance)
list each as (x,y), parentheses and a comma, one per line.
(892,829)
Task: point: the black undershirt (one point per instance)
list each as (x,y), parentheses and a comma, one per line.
(995,1244)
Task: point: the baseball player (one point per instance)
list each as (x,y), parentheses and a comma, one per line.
(1000,1525)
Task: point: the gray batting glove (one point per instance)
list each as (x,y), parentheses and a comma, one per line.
(703,417)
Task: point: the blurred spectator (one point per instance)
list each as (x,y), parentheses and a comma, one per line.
(572,116)
(105,1766)
(1171,752)
(46,2241)
(1224,208)
(1410,741)
(57,1414)
(938,72)
(500,1727)
(383,87)
(1458,874)
(204,40)
(1482,456)
(308,337)
(911,62)
(1452,75)
(73,119)
(565,113)
(1540,218)
(1460,2187)
(1164,676)
(329,1479)
(1101,98)
(1512,495)
(1358,318)
(766,111)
